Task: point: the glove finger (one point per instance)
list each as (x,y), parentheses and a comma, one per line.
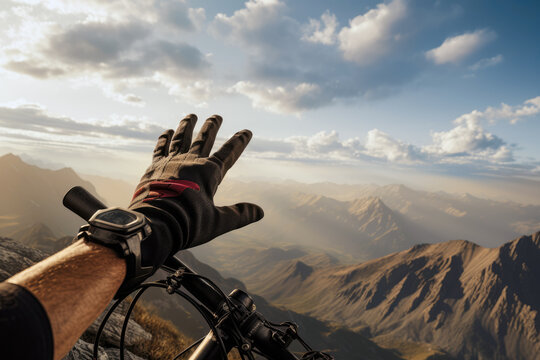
(206,137)
(181,140)
(232,149)
(162,146)
(236,216)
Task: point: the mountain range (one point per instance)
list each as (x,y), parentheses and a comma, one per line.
(380,260)
(352,222)
(294,214)
(473,302)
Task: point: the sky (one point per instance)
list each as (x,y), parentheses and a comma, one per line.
(438,95)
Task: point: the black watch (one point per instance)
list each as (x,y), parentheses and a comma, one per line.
(123,231)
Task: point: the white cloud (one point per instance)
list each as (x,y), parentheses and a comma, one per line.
(116,46)
(251,22)
(323,31)
(194,92)
(503,112)
(468,138)
(281,99)
(322,146)
(513,114)
(197,17)
(487,62)
(284,55)
(371,35)
(121,96)
(324,142)
(468,142)
(382,145)
(327,146)
(456,48)
(32,121)
(175,14)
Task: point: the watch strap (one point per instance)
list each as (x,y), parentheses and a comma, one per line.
(127,245)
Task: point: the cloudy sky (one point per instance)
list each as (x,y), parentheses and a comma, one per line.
(442,95)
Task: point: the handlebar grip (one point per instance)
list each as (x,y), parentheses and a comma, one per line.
(82,203)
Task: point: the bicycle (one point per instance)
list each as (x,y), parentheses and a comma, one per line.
(233,319)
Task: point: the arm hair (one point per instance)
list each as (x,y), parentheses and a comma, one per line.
(74,286)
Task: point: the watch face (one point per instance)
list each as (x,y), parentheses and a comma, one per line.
(117,217)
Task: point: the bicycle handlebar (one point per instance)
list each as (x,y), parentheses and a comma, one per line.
(234,317)
(82,203)
(251,324)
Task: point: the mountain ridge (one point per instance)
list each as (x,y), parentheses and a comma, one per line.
(473,302)
(33,195)
(426,217)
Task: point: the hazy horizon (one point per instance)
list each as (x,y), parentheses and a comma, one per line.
(489,188)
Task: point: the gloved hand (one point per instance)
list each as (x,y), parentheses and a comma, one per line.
(176,193)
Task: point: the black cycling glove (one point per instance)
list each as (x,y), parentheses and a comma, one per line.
(177,190)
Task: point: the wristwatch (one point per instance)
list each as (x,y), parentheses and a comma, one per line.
(123,231)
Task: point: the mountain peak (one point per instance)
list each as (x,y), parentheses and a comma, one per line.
(304,199)
(10,155)
(278,254)
(301,269)
(34,235)
(397,188)
(10,158)
(371,206)
(522,248)
(67,171)
(457,244)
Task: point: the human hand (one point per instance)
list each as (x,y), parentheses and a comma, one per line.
(177,190)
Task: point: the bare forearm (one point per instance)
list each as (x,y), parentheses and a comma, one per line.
(74,286)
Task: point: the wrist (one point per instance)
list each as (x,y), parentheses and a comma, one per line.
(169,232)
(123,231)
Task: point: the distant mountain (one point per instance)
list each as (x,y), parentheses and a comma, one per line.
(353,231)
(474,302)
(365,228)
(424,217)
(258,268)
(351,222)
(116,192)
(37,236)
(485,222)
(33,195)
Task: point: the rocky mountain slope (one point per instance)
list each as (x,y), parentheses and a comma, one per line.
(474,302)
